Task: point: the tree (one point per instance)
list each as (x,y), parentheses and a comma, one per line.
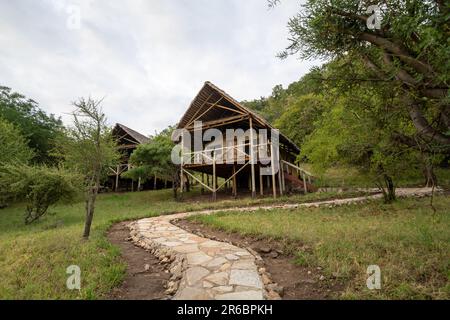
(13,150)
(300,116)
(154,158)
(40,186)
(356,130)
(89,149)
(409,51)
(40,130)
(13,146)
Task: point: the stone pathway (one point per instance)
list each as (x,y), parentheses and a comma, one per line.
(205,269)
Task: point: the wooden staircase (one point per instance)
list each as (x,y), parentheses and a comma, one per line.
(295,184)
(296,179)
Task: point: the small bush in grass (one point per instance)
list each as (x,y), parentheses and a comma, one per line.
(39,186)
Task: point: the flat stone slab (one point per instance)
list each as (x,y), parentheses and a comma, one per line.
(247,278)
(243,295)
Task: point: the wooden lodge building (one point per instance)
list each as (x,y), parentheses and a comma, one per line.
(272,172)
(127,141)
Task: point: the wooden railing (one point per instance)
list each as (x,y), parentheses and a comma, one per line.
(305,175)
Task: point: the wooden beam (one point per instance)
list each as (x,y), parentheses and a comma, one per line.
(283,185)
(200,108)
(234,181)
(261,184)
(206,111)
(272,164)
(127,146)
(228,108)
(218,122)
(252,158)
(181,165)
(202,191)
(196,179)
(304,183)
(280,183)
(214,196)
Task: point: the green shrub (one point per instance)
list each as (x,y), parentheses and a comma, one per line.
(13,146)
(40,186)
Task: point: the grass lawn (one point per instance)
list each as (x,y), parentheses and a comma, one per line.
(34,258)
(347,177)
(406,240)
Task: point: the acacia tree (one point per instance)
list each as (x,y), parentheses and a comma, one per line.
(13,150)
(89,149)
(38,186)
(38,128)
(154,157)
(409,51)
(13,146)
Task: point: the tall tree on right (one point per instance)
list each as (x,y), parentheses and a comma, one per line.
(409,50)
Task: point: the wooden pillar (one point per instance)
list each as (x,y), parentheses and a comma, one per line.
(154,183)
(283,182)
(280,183)
(132,185)
(165,183)
(234,181)
(202,190)
(214,181)
(117,178)
(304,183)
(261,187)
(181,165)
(272,164)
(252,159)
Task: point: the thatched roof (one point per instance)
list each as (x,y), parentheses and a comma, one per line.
(212,103)
(136,136)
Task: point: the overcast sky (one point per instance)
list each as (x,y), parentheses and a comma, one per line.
(148,58)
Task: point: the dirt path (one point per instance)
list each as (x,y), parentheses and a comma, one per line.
(145,276)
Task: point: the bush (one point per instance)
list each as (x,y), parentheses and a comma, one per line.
(40,186)
(13,146)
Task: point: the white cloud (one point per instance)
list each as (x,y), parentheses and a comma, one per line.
(147,58)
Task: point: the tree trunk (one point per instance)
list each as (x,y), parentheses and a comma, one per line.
(430,177)
(90,206)
(187,183)
(388,188)
(176,183)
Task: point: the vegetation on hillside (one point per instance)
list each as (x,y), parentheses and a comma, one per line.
(380,103)
(38,128)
